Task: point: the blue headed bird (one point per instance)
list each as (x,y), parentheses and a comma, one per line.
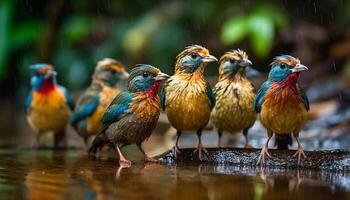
(281,103)
(187,97)
(234,110)
(92,104)
(133,114)
(48,105)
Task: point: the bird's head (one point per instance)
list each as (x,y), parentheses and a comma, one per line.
(42,74)
(193,58)
(232,63)
(285,66)
(144,78)
(110,71)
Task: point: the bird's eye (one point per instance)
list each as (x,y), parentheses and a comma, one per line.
(232,60)
(113,72)
(194,56)
(283,65)
(145,74)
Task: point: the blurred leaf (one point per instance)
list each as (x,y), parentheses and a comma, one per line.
(76,29)
(6,12)
(234,30)
(278,18)
(25,33)
(261,28)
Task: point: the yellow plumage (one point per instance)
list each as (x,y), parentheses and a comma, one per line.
(48,112)
(234,110)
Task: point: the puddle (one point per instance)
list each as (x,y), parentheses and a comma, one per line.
(72,175)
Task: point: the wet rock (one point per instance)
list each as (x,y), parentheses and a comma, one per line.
(321,160)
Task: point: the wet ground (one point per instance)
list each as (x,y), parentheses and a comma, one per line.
(26,174)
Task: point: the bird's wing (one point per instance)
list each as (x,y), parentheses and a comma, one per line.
(210,95)
(259,98)
(28,101)
(86,106)
(305,99)
(118,108)
(69,99)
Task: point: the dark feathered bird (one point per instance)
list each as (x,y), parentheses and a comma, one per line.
(133,114)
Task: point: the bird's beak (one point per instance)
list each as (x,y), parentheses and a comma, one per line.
(161,76)
(50,73)
(245,63)
(124,75)
(299,68)
(209,58)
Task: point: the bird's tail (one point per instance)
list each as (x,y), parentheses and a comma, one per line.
(283,140)
(99,141)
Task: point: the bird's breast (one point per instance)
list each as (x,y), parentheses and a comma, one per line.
(283,110)
(234,109)
(187,104)
(48,111)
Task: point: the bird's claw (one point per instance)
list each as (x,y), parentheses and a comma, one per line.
(200,149)
(150,159)
(300,152)
(176,151)
(264,152)
(124,162)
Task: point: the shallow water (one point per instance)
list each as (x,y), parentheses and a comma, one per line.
(73,175)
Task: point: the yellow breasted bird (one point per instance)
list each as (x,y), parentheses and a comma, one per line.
(92,104)
(234,110)
(187,97)
(48,105)
(281,103)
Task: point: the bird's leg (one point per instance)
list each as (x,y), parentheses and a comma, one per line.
(300,151)
(219,137)
(147,158)
(36,143)
(60,140)
(86,143)
(122,160)
(245,133)
(264,151)
(200,146)
(176,149)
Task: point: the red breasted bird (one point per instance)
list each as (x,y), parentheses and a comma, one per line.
(133,114)
(92,104)
(281,103)
(48,105)
(187,97)
(234,110)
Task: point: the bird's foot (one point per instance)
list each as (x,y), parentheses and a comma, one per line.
(248,146)
(200,149)
(124,162)
(264,152)
(176,151)
(150,159)
(299,153)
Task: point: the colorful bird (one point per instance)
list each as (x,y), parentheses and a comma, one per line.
(133,114)
(187,97)
(92,104)
(48,105)
(234,110)
(281,103)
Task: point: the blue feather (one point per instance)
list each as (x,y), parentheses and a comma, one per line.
(162,98)
(69,98)
(210,95)
(118,108)
(259,98)
(28,101)
(305,99)
(85,110)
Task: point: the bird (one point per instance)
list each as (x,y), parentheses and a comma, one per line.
(48,105)
(234,110)
(187,97)
(133,114)
(282,104)
(92,104)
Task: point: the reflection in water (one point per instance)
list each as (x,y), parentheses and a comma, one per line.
(72,175)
